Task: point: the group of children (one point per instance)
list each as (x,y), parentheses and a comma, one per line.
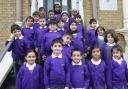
(69,57)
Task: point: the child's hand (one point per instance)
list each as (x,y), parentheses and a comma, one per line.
(66,88)
(44,57)
(11,37)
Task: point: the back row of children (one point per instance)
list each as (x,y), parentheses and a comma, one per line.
(64,66)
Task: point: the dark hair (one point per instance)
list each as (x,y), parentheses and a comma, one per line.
(30,17)
(41,8)
(117,47)
(98,29)
(67,34)
(73,50)
(50,11)
(57,40)
(15,27)
(52,22)
(92,20)
(113,34)
(29,51)
(94,47)
(78,16)
(36,13)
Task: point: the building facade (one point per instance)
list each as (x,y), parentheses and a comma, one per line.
(112,14)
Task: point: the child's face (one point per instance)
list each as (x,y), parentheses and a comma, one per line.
(64,17)
(57,48)
(42,22)
(60,24)
(110,39)
(116,54)
(16,33)
(100,32)
(29,22)
(51,15)
(73,27)
(52,27)
(76,57)
(36,18)
(67,39)
(74,12)
(30,58)
(42,13)
(78,20)
(93,25)
(57,8)
(96,54)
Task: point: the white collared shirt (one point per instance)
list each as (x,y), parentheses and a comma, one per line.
(31,67)
(59,29)
(80,63)
(21,37)
(53,31)
(43,27)
(95,62)
(119,61)
(101,37)
(109,44)
(59,56)
(29,27)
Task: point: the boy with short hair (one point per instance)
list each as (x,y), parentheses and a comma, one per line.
(55,68)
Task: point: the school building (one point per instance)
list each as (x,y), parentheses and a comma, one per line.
(112,14)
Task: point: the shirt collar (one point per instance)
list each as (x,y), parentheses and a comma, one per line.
(80,63)
(109,44)
(43,27)
(53,31)
(59,29)
(118,61)
(101,37)
(29,27)
(67,20)
(31,67)
(21,37)
(54,56)
(96,62)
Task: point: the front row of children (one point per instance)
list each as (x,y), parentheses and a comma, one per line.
(60,73)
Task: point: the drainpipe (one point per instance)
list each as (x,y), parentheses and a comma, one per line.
(94,9)
(19,12)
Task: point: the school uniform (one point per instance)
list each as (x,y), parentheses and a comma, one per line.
(30,77)
(55,72)
(71,19)
(78,42)
(106,51)
(67,48)
(61,31)
(91,37)
(19,48)
(39,33)
(78,75)
(80,28)
(58,16)
(99,41)
(117,74)
(36,25)
(46,42)
(97,71)
(66,25)
(28,33)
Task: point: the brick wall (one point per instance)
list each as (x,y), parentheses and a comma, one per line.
(7,17)
(108,19)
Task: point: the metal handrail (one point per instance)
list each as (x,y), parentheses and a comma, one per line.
(5,50)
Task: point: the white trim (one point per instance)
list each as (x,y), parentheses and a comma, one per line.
(40,3)
(33,6)
(125,13)
(81,9)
